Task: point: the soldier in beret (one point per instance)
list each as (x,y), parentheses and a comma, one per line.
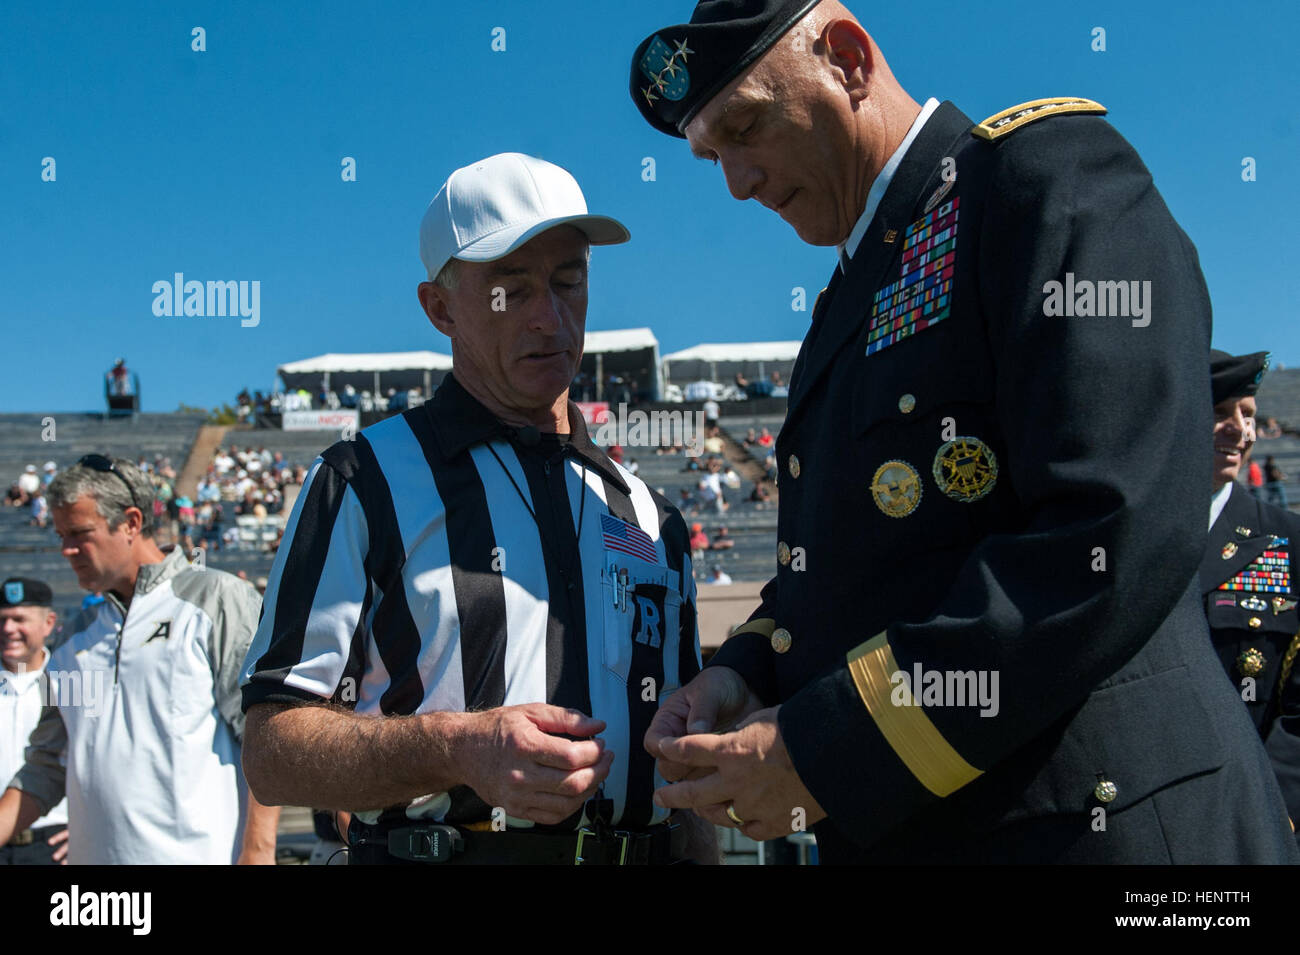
(1248,576)
(991,647)
(26,622)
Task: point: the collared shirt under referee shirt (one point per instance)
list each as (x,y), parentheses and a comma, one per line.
(441,562)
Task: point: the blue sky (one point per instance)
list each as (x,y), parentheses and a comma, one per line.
(225,165)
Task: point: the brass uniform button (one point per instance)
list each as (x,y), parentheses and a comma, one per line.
(1105,791)
(1255,623)
(793,464)
(907,404)
(1251,662)
(781,640)
(783,553)
(1229,549)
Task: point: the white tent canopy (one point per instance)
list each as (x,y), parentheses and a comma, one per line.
(720,361)
(372,361)
(738,351)
(372,371)
(629,353)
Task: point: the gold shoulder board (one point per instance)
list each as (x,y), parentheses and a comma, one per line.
(1009,120)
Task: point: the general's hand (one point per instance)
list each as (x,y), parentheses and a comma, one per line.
(59,839)
(715,699)
(748,768)
(512,759)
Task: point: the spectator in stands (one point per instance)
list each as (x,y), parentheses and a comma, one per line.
(769,466)
(760,494)
(719,576)
(616,454)
(40,508)
(1255,478)
(751,440)
(209,489)
(119,379)
(349,397)
(50,470)
(709,493)
(779,389)
(632,466)
(722,540)
(29,482)
(713,443)
(711,413)
(699,539)
(1270,429)
(686,502)
(1274,486)
(765,439)
(742,382)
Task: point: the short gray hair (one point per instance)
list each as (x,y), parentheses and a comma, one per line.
(449,275)
(108,492)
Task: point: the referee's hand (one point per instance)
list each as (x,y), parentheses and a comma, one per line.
(517,758)
(714,701)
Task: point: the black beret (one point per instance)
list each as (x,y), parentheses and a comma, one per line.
(25,592)
(677,70)
(1236,376)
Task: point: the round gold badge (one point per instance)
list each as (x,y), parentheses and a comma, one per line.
(896,488)
(794,466)
(965,469)
(783,553)
(1251,663)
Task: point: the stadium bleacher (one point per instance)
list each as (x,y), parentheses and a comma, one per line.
(33,551)
(1279,397)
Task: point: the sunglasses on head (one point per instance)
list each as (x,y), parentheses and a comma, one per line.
(97,462)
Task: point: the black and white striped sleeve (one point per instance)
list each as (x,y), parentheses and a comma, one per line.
(312,634)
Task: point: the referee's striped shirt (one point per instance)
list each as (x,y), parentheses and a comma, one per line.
(434,564)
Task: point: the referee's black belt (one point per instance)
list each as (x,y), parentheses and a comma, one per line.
(28,836)
(438,844)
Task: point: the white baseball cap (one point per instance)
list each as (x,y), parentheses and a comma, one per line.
(486,210)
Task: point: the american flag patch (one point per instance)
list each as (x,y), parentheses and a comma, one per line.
(627,538)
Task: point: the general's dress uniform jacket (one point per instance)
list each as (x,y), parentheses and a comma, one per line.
(438,562)
(973,485)
(1248,578)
